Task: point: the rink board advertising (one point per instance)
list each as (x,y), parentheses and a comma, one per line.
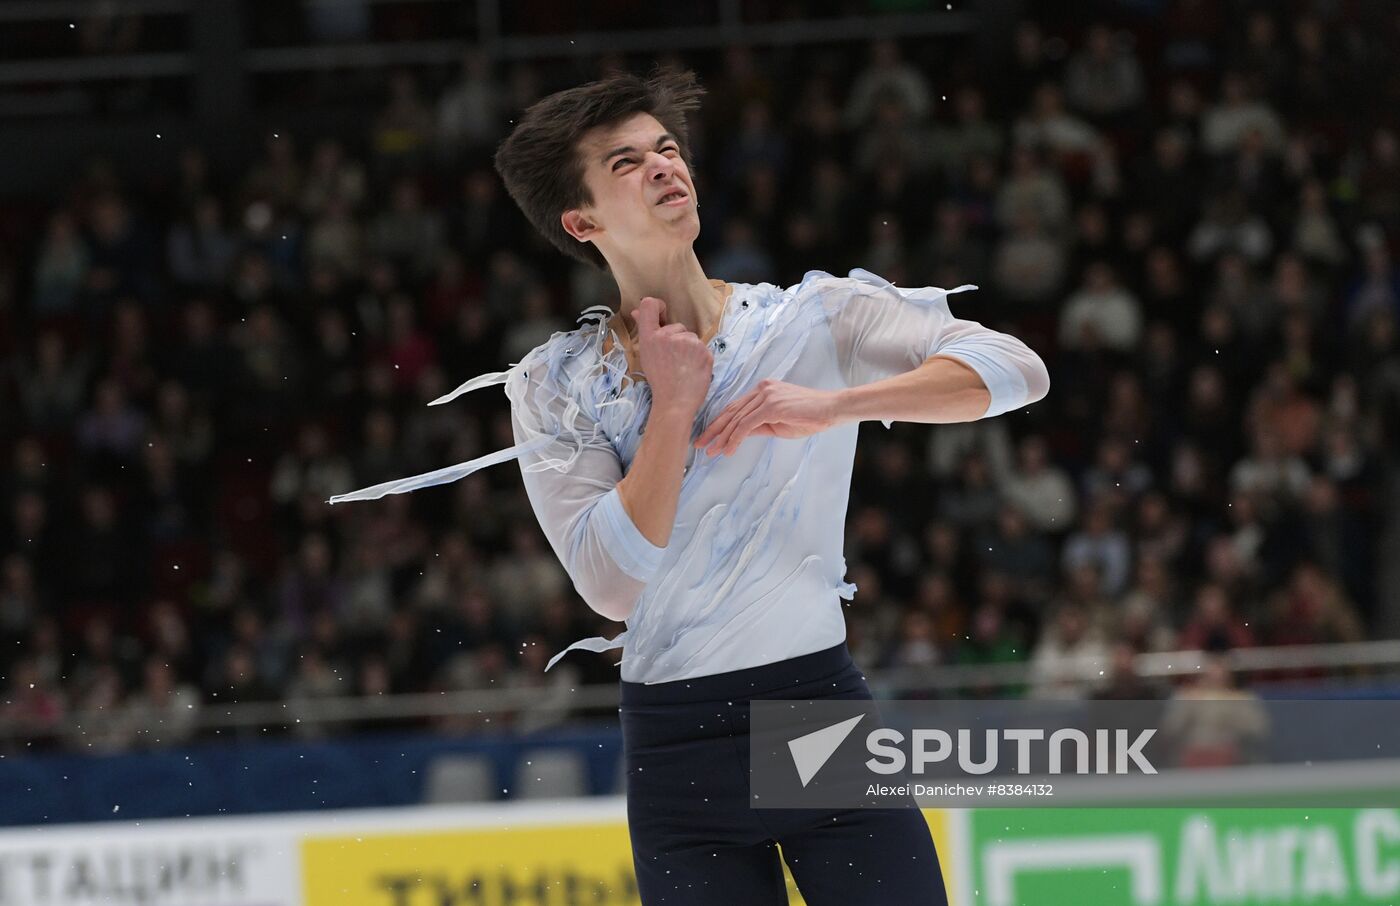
(558,854)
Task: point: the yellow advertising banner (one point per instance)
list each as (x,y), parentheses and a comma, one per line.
(529,865)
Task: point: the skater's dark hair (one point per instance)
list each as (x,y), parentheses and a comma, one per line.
(540,161)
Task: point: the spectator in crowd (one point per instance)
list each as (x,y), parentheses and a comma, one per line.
(1104,79)
(1376,172)
(1312,610)
(1264,61)
(470,111)
(1034,61)
(409,234)
(35,707)
(102,695)
(311,468)
(887,74)
(1167,181)
(1035,188)
(61,267)
(201,250)
(164,713)
(18,602)
(972,134)
(1102,545)
(1029,265)
(1213,625)
(1212,723)
(972,502)
(1271,469)
(1041,490)
(312,680)
(1377,287)
(276,178)
(741,259)
(403,129)
(1122,682)
(1069,657)
(332,175)
(51,383)
(1024,557)
(1230,226)
(917,645)
(1051,128)
(1115,475)
(1101,313)
(1147,612)
(1225,125)
(552,699)
(893,137)
(992,639)
(336,240)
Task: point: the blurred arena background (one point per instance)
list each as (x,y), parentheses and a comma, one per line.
(242,244)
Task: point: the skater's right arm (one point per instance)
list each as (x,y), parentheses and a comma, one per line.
(678,367)
(609,531)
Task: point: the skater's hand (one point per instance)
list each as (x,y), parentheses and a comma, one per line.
(772,409)
(675,362)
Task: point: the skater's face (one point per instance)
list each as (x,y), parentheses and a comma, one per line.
(641,188)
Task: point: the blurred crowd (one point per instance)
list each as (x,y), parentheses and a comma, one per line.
(1195,224)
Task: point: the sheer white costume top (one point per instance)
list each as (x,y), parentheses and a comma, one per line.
(753,571)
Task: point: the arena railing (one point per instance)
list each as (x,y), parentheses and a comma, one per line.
(505,47)
(1329,666)
(727,27)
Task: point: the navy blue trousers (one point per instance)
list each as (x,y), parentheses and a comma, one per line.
(697,842)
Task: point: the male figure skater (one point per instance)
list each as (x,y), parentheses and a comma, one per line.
(689,461)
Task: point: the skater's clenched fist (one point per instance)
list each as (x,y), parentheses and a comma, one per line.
(675,362)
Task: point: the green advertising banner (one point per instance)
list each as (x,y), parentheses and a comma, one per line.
(1185,857)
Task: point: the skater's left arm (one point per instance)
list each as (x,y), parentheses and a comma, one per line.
(940,391)
(903,357)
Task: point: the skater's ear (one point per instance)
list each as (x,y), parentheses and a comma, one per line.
(579,225)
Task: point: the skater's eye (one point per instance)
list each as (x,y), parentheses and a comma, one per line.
(628,160)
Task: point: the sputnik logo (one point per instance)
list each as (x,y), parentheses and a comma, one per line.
(813,750)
